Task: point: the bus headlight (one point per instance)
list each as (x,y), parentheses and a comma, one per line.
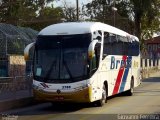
(82,87)
(37,87)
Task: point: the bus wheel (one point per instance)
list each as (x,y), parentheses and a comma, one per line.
(130,91)
(103,100)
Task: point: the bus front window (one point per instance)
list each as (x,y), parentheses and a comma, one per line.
(61,59)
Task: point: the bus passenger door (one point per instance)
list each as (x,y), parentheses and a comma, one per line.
(94,63)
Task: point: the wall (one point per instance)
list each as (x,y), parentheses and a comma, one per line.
(149,66)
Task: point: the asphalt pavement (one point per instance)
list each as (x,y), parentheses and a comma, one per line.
(143,105)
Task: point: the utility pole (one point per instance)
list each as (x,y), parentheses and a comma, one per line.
(77,3)
(114,9)
(114,13)
(104,10)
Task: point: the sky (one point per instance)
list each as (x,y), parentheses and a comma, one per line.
(72,2)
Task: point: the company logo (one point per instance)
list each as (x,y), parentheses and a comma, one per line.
(44,85)
(58,91)
(122,63)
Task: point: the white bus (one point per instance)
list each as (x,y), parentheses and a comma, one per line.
(84,62)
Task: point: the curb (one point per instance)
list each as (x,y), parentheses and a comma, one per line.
(12,104)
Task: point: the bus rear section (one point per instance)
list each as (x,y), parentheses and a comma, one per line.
(123,62)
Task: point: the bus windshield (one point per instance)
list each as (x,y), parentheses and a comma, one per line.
(61,59)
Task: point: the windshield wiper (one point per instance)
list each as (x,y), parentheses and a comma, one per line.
(69,72)
(50,70)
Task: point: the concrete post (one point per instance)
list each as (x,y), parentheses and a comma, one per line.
(148,68)
(151,63)
(147,63)
(143,63)
(158,63)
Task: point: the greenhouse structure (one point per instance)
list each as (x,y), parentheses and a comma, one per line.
(13,40)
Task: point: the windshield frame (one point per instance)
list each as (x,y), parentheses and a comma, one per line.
(71,79)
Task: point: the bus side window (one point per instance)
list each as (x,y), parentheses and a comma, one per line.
(109,41)
(106,45)
(130,49)
(118,46)
(133,48)
(115,46)
(125,46)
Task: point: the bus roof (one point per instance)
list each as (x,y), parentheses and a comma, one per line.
(69,28)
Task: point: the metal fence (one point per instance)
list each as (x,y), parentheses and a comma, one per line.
(15,87)
(150,63)
(149,66)
(15,79)
(14,71)
(14,39)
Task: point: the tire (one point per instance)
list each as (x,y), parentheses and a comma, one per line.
(103,100)
(130,91)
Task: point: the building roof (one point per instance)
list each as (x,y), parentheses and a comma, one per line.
(154,40)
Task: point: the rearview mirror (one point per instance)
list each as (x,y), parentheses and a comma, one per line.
(91,49)
(26,50)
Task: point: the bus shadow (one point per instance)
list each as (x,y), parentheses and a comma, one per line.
(47,108)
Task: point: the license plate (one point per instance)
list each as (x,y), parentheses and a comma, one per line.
(59,98)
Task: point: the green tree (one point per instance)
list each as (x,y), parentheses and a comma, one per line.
(146,13)
(97,10)
(70,14)
(29,13)
(47,16)
(16,11)
(43,3)
(140,16)
(102,11)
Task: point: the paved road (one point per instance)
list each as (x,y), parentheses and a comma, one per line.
(144,104)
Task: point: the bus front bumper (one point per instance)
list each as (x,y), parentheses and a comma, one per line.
(77,96)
